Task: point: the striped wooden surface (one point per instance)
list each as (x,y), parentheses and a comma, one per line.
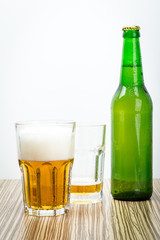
(108,220)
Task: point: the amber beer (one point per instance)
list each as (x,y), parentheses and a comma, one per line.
(46,183)
(45,153)
(85,189)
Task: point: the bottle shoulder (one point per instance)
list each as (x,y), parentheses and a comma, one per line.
(136,97)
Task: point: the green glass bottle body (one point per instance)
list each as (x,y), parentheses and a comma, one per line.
(131,128)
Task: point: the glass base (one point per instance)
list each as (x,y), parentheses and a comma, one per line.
(83,198)
(45,213)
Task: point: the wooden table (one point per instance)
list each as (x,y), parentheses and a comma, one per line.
(108,220)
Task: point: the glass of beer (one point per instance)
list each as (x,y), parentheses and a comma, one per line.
(45,155)
(87,173)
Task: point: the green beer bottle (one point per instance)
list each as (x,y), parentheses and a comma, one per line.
(131,127)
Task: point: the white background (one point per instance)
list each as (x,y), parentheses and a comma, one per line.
(61,60)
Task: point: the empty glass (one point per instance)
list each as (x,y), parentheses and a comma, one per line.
(87,173)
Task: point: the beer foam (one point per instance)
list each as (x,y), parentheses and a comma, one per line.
(46,143)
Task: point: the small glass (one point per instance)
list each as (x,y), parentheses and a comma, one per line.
(45,155)
(87,173)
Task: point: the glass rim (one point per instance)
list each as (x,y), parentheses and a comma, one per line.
(90,124)
(44,122)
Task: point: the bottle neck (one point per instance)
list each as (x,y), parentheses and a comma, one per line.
(131,70)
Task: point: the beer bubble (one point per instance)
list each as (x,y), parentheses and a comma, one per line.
(46,143)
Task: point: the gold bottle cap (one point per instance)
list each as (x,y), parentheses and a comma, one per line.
(131,28)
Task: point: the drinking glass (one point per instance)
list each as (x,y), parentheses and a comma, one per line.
(87,173)
(45,156)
